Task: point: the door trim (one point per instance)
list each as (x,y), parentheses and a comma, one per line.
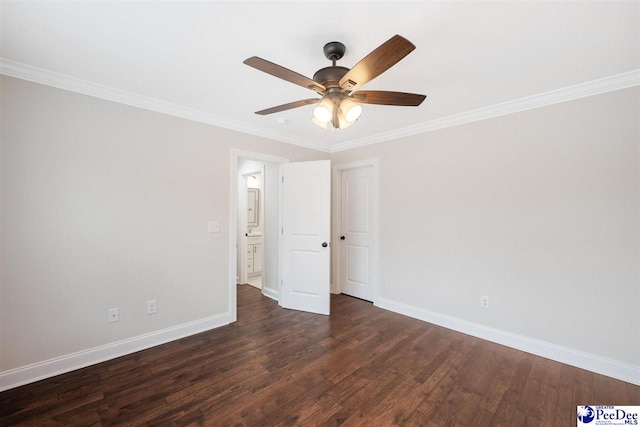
(234,156)
(337,221)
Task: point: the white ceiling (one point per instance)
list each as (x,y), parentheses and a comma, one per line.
(469,55)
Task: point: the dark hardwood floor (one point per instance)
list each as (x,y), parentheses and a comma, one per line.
(360,366)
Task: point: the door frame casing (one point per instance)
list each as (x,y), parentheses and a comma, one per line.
(234,156)
(337,221)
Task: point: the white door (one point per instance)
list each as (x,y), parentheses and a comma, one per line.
(306,210)
(356,233)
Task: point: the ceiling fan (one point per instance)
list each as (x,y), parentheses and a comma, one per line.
(340,105)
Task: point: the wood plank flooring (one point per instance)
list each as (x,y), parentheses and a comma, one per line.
(362,366)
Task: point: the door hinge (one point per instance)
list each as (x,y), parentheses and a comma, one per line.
(282,231)
(280,283)
(283,179)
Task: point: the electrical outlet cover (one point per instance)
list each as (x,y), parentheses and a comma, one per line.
(484,301)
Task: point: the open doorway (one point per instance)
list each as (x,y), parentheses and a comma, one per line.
(296,206)
(251,222)
(256,230)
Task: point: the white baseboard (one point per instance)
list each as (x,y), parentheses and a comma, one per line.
(70,362)
(268,292)
(611,368)
(52,367)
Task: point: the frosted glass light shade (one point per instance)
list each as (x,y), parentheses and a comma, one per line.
(351,110)
(324,111)
(342,121)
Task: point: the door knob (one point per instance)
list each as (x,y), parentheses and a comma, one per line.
(325,244)
(341,237)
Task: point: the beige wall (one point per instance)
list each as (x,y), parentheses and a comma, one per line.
(105,205)
(539,210)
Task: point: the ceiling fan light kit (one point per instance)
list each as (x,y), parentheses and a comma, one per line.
(340,106)
(336,104)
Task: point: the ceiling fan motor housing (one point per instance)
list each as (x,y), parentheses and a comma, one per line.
(330,76)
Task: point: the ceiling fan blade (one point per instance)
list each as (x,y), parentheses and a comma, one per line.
(288,106)
(382,97)
(377,62)
(284,73)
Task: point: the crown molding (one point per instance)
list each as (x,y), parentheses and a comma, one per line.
(594,87)
(62,81)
